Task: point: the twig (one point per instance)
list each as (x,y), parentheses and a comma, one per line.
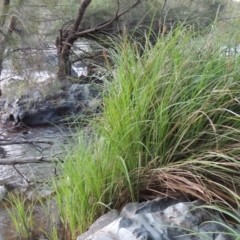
(21,174)
(106,23)
(164,5)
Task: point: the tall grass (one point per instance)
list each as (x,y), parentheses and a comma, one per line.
(175,106)
(21,215)
(82,188)
(170,124)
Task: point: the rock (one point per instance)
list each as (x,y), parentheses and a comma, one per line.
(99,224)
(79,92)
(37,108)
(160,219)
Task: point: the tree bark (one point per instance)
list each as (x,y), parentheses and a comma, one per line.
(65,43)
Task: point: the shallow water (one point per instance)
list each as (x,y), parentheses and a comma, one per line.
(12,181)
(37,67)
(56,135)
(45,217)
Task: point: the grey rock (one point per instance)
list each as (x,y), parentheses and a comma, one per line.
(101,222)
(160,219)
(155,205)
(36,109)
(79,92)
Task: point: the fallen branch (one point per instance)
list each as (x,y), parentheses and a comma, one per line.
(6,142)
(31,159)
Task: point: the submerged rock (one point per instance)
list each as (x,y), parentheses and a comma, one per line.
(160,219)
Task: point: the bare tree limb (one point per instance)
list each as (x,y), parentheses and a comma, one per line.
(5,10)
(108,22)
(31,159)
(20,174)
(65,41)
(6,143)
(12,24)
(81,12)
(164,5)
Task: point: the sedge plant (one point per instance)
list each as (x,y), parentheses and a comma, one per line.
(21,215)
(172,112)
(170,124)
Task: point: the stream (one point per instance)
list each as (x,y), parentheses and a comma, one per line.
(15,179)
(38,141)
(31,171)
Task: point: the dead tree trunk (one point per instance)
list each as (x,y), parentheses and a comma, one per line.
(66,38)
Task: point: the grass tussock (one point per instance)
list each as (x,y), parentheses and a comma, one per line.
(171,123)
(21,215)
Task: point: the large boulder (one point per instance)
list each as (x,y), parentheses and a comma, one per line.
(160,219)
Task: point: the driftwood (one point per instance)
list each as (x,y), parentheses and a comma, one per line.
(31,159)
(14,161)
(12,142)
(25,160)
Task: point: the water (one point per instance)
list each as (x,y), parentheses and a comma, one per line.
(35,66)
(39,65)
(12,181)
(54,134)
(43,223)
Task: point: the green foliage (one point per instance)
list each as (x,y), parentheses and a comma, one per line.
(170,123)
(21,215)
(173,106)
(84,176)
(33,218)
